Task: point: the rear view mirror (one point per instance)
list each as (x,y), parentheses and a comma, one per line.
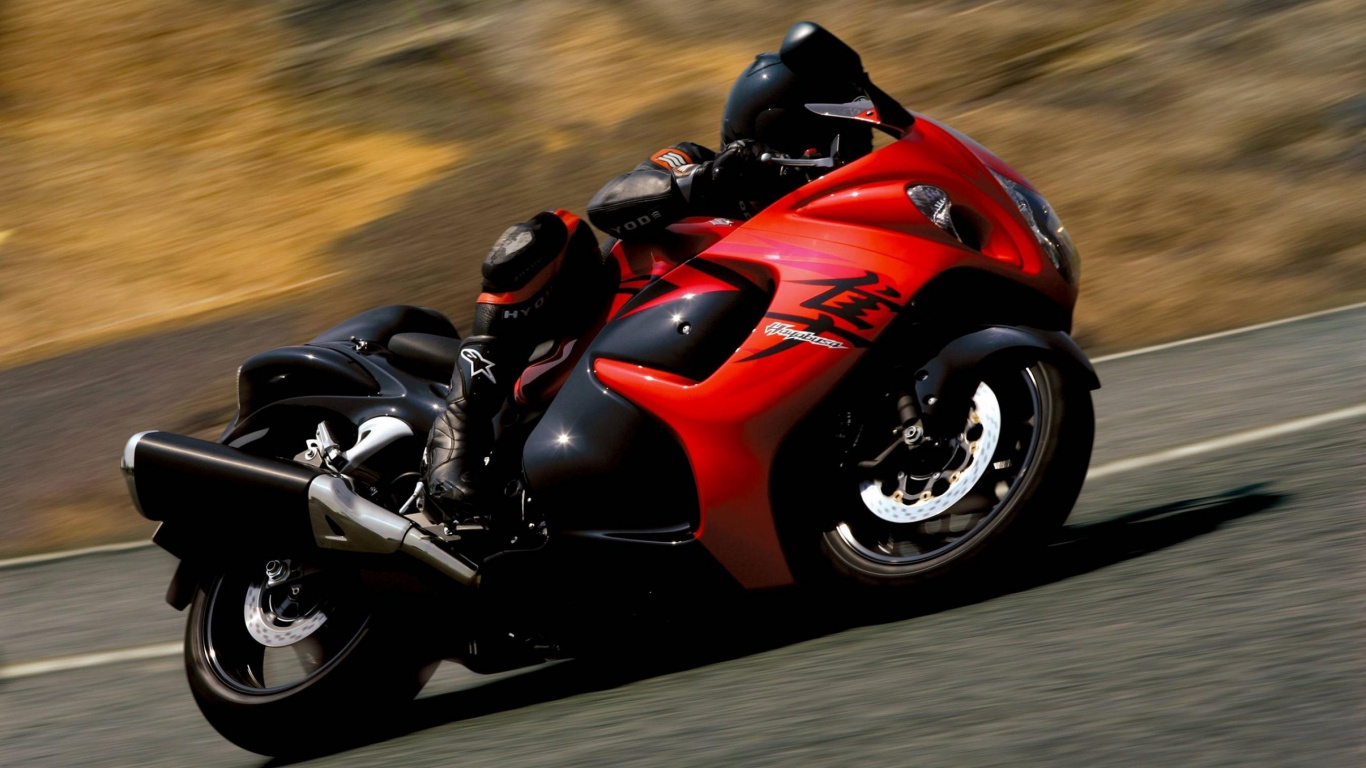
(811,51)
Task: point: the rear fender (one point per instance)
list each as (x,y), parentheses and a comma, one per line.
(945,384)
(328,372)
(287,372)
(284,393)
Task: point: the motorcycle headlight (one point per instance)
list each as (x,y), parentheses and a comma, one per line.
(1048,229)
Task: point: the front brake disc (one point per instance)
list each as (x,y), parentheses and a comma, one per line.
(906,505)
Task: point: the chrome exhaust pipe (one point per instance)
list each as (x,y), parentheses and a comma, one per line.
(342,520)
(208,495)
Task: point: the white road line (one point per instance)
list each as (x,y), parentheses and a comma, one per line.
(65,663)
(62,555)
(164,650)
(1227,441)
(47,557)
(1222,334)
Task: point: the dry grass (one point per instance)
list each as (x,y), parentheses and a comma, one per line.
(1207,156)
(153,170)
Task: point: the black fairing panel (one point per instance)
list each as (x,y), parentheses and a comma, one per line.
(945,383)
(292,388)
(615,468)
(279,374)
(354,385)
(716,323)
(599,465)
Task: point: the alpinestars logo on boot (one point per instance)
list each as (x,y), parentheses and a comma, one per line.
(478,364)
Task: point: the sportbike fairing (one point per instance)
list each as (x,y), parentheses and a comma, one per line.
(802,290)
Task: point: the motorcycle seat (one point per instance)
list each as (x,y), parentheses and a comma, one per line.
(428,355)
(378,325)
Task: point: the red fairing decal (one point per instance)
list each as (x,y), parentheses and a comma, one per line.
(697,282)
(845,301)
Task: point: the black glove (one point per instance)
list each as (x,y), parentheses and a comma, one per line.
(737,173)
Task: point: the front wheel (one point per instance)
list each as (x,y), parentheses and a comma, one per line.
(280,655)
(900,514)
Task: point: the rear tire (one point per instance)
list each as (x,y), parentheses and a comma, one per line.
(912,520)
(314,683)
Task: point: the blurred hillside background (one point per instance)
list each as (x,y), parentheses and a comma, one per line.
(189,181)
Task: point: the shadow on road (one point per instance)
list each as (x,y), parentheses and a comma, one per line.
(1085,548)
(766,622)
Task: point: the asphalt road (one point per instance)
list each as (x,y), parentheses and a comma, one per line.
(65,419)
(1204,611)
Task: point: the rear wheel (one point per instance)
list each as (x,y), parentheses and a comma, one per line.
(282,656)
(903,512)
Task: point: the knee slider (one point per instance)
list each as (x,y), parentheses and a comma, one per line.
(523,252)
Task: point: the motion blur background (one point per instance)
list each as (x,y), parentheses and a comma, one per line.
(187,182)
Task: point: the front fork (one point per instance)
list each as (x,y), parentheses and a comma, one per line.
(933,407)
(911,432)
(944,386)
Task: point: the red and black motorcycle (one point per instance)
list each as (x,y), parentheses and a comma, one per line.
(870,383)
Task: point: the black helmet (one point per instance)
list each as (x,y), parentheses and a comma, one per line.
(768,103)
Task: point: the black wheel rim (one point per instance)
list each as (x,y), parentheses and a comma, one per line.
(243,663)
(896,544)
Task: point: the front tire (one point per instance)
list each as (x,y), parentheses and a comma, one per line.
(945,509)
(280,671)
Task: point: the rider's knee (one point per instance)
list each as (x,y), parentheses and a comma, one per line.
(529,265)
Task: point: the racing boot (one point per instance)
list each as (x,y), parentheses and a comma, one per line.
(551,253)
(462,435)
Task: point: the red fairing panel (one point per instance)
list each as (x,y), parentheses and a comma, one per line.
(846,253)
(831,300)
(864,203)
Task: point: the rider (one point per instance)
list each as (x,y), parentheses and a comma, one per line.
(539,278)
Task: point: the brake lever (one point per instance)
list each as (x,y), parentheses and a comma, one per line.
(797,162)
